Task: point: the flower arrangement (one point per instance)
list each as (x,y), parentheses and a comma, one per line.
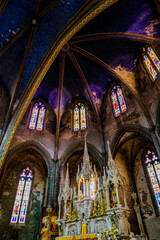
(110,234)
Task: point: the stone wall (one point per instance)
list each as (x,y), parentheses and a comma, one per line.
(152,222)
(30,231)
(121,165)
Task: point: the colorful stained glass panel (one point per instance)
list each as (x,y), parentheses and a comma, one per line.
(22,197)
(121,100)
(76,118)
(115,104)
(153,168)
(23,211)
(33,120)
(15,212)
(40,118)
(150,67)
(157,168)
(154,58)
(83,117)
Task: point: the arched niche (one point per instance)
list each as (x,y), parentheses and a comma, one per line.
(67,119)
(19,159)
(147,88)
(133,115)
(79,146)
(128,152)
(49,125)
(145,191)
(74,160)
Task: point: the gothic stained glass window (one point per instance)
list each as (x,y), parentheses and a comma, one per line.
(22,197)
(154,58)
(37,117)
(83,117)
(79,117)
(150,67)
(76,118)
(118,101)
(40,121)
(34,115)
(121,100)
(153,168)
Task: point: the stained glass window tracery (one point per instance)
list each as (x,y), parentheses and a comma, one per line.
(118,101)
(154,57)
(76,118)
(79,120)
(22,197)
(151,62)
(83,117)
(37,117)
(150,67)
(153,168)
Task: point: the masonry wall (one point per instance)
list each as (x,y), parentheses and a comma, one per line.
(152,222)
(30,231)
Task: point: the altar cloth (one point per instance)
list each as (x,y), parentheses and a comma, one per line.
(92,236)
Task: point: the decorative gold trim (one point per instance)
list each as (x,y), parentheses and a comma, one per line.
(36,80)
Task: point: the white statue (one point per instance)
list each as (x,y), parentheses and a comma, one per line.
(134,237)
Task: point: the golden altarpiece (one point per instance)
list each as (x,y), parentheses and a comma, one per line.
(94,202)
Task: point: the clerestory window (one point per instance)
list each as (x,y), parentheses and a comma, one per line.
(151,62)
(118,100)
(37,117)
(79,117)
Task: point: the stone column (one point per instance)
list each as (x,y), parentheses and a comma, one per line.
(140,223)
(89,188)
(65,204)
(125,202)
(107,198)
(85,188)
(59,210)
(51,185)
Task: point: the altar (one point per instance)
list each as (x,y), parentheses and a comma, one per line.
(93,202)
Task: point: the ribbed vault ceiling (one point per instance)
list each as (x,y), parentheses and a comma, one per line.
(100,53)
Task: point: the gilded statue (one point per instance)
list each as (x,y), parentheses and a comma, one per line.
(45,229)
(50,227)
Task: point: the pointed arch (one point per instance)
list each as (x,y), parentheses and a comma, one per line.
(41,70)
